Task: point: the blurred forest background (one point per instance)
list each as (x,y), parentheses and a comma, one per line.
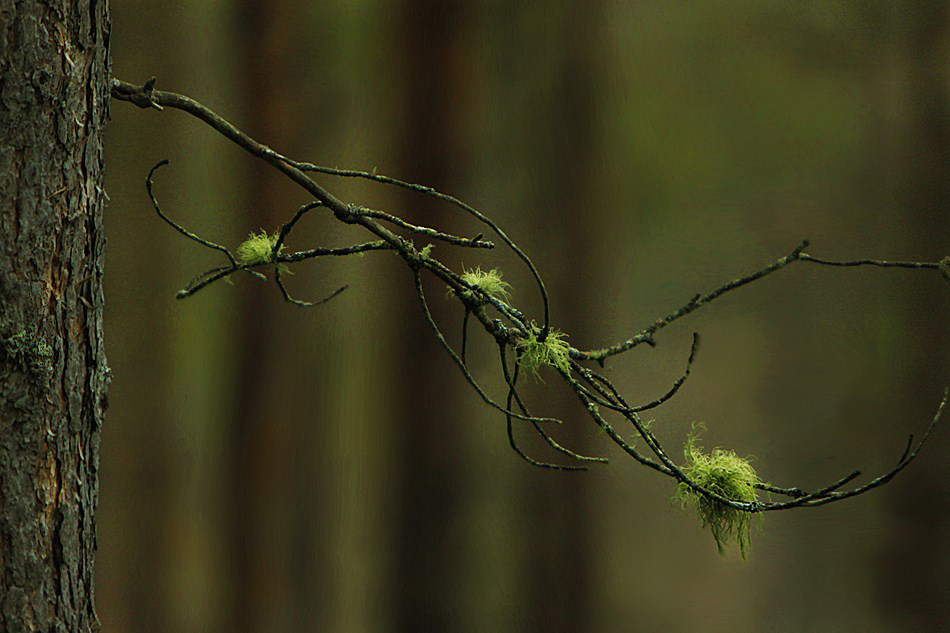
(268,468)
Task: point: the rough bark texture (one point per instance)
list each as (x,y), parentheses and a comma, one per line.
(54,99)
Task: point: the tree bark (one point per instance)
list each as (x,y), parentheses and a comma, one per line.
(54,101)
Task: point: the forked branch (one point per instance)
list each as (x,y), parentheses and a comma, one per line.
(723,486)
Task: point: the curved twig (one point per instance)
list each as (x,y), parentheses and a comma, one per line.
(458,361)
(289,226)
(175,225)
(514,396)
(455,240)
(511,380)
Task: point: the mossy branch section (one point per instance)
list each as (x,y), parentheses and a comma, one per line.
(727,475)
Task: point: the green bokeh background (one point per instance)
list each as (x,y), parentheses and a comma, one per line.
(268,468)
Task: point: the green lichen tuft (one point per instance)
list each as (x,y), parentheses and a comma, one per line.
(534,354)
(728,475)
(944,266)
(426,250)
(257,249)
(488,281)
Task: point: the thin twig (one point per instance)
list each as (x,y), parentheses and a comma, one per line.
(514,396)
(298,302)
(677,383)
(175,225)
(698,301)
(468,313)
(289,226)
(867,262)
(455,240)
(904,461)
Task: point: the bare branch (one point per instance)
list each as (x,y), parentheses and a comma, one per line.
(698,301)
(455,240)
(868,262)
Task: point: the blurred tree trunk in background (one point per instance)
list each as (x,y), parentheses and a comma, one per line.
(167,542)
(261,451)
(55,84)
(132,577)
(567,224)
(919,505)
(433,460)
(286,369)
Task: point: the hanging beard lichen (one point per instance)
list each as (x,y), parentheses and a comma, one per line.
(728,475)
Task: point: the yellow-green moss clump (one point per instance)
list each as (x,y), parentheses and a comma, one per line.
(728,475)
(257,249)
(534,354)
(488,281)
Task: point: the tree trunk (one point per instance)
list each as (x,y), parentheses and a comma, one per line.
(54,101)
